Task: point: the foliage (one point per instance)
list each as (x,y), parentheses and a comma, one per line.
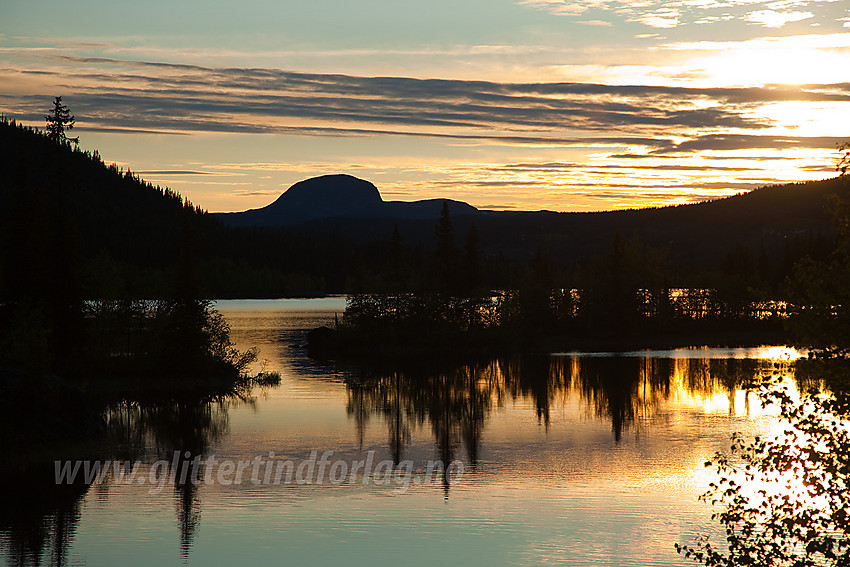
(843,164)
(445,254)
(59,121)
(784,501)
(820,294)
(611,298)
(168,338)
(123,232)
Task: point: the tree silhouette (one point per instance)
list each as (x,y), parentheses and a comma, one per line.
(783,500)
(843,158)
(445,252)
(59,121)
(471,262)
(820,294)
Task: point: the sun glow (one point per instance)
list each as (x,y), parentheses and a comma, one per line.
(803,118)
(772,66)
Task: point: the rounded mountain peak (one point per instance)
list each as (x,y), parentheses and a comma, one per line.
(339,187)
(337,195)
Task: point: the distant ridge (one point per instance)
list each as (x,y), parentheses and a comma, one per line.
(339,196)
(111,234)
(698,234)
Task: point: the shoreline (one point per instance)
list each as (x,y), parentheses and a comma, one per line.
(325,343)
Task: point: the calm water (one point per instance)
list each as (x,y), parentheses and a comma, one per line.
(574,459)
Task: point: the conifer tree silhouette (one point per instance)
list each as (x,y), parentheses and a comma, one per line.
(59,121)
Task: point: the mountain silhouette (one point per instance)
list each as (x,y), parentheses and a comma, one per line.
(339,197)
(696,234)
(74,218)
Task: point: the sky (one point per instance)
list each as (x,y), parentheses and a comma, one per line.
(562,105)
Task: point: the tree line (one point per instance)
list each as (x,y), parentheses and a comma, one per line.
(632,292)
(106,234)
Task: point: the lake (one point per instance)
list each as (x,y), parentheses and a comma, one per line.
(581,459)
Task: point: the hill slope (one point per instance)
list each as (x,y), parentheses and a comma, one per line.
(67,218)
(700,233)
(102,232)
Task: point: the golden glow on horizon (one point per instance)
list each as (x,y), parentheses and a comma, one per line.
(444,139)
(801,118)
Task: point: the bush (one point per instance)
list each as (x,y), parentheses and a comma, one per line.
(784,501)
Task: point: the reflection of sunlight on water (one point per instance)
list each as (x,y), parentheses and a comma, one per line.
(721,403)
(581,460)
(238,307)
(737,399)
(795,482)
(707,380)
(779,353)
(569,448)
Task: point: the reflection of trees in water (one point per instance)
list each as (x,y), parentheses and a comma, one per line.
(456,401)
(541,381)
(140,430)
(185,428)
(625,388)
(187,503)
(612,386)
(383,394)
(38,518)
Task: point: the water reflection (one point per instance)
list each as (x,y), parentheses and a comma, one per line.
(453,401)
(456,401)
(176,431)
(39,517)
(451,404)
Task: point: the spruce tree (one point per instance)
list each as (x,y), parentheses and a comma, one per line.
(445,251)
(59,121)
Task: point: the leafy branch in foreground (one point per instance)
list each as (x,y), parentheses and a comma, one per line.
(784,501)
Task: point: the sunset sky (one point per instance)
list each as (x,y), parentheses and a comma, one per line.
(506,104)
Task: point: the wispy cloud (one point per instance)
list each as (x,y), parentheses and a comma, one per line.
(671,13)
(744,142)
(663,18)
(774,19)
(169,172)
(138,96)
(806,41)
(653,140)
(155,95)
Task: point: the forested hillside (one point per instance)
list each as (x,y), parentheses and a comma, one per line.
(67,219)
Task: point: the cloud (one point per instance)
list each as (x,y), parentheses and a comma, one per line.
(560,7)
(555,166)
(620,121)
(774,19)
(173,172)
(714,19)
(255,193)
(665,18)
(594,23)
(726,142)
(666,14)
(819,168)
(806,41)
(107,130)
(144,95)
